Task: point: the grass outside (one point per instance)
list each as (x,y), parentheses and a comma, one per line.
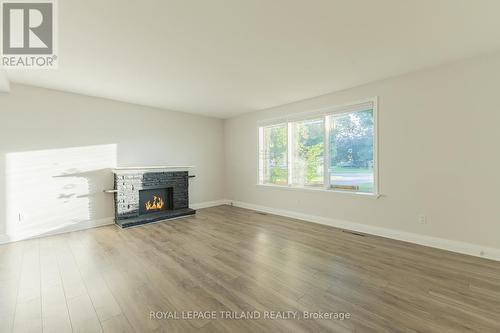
(365,187)
(337,169)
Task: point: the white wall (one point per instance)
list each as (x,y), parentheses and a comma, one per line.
(56,150)
(439,155)
(4,82)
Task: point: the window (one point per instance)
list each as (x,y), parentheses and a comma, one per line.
(351,151)
(332,149)
(307,152)
(274,148)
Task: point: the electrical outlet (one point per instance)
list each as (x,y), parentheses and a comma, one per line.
(422,219)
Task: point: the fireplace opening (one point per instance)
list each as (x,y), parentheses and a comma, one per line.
(157,200)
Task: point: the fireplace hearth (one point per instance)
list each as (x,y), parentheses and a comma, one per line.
(145,195)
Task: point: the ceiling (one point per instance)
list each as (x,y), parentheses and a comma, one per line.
(222,58)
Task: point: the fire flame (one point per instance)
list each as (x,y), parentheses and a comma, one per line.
(157,203)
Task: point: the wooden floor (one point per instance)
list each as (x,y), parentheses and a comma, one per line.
(231,259)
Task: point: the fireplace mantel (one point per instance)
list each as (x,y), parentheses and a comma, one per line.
(152,168)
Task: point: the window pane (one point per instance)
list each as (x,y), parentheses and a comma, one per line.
(275,148)
(351,151)
(307,153)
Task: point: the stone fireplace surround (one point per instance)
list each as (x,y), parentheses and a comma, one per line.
(129,181)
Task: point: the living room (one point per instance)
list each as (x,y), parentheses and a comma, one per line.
(249,166)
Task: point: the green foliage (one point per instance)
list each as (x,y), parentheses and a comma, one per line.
(352,140)
(310,148)
(351,147)
(314,158)
(276,138)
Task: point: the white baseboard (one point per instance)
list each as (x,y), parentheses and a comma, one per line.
(8,238)
(209,204)
(86,225)
(439,243)
(435,242)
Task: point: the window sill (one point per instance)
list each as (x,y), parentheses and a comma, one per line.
(321,189)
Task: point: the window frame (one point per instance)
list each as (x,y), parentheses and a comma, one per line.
(360,105)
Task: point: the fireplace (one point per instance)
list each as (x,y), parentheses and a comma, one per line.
(145,195)
(152,201)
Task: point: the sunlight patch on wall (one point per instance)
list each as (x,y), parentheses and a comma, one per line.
(51,189)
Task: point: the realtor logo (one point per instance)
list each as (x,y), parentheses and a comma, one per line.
(28,32)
